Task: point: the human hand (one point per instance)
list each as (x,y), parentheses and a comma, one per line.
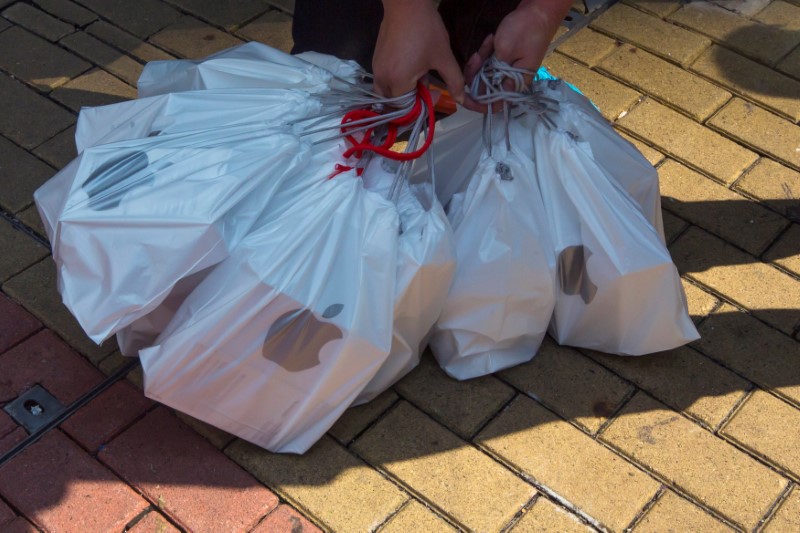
(412,41)
(521,39)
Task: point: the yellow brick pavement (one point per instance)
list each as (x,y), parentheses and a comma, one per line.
(702,438)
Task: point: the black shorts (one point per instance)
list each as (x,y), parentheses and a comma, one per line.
(348,29)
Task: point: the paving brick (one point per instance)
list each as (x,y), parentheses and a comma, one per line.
(136,377)
(768,426)
(272,28)
(11,439)
(546,517)
(230,15)
(753,80)
(189,479)
(775,185)
(215,436)
(19,525)
(764,290)
(95,88)
(659,8)
(588,46)
(748,8)
(652,34)
(462,406)
(15,323)
(467,485)
(38,21)
(416,517)
(748,123)
(111,363)
(611,97)
(6,514)
(191,38)
(571,384)
(67,10)
(47,360)
(356,419)
(754,350)
(716,208)
(782,15)
(791,63)
(6,394)
(36,61)
(650,153)
(761,41)
(7,425)
(695,461)
(153,522)
(127,42)
(103,55)
(22,174)
(22,250)
(673,225)
(786,251)
(696,145)
(787,517)
(683,379)
(30,217)
(107,415)
(327,483)
(284,518)
(60,149)
(665,81)
(142,18)
(54,482)
(35,289)
(27,118)
(700,303)
(673,513)
(286,6)
(595,480)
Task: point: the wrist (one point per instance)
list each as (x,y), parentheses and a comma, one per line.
(545,12)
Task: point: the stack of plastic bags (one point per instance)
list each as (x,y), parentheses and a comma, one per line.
(558,228)
(222,234)
(245,230)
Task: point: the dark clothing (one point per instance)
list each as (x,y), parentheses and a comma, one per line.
(348,29)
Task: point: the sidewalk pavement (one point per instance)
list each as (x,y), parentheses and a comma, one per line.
(703,438)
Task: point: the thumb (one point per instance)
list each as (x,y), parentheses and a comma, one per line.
(448,69)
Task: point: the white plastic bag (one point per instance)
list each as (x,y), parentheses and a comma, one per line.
(618,290)
(321,164)
(425,269)
(278,340)
(190,111)
(457,148)
(251,65)
(128,220)
(618,158)
(502,297)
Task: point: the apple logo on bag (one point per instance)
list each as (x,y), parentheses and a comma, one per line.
(295,339)
(572,273)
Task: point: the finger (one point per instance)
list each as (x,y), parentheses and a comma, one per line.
(486,48)
(472,105)
(450,72)
(528,63)
(472,67)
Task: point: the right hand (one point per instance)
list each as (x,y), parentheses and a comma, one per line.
(413,41)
